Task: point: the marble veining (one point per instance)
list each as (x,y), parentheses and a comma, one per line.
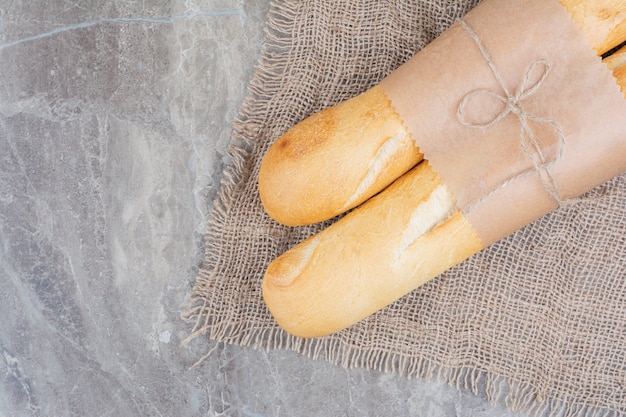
(114,122)
(163,21)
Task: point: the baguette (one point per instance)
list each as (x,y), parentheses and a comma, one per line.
(412,230)
(335,160)
(338,158)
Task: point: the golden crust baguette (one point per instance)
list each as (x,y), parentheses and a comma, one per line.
(412,232)
(338,158)
(335,160)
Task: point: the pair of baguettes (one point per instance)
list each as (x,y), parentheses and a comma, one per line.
(406,229)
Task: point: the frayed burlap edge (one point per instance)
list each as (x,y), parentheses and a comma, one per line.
(516,396)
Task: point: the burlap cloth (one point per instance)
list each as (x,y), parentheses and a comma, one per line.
(537,320)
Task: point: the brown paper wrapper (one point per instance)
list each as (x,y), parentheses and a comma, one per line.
(530,121)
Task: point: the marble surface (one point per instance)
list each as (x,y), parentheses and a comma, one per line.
(114,121)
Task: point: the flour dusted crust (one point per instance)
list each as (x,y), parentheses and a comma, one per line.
(390,245)
(335,160)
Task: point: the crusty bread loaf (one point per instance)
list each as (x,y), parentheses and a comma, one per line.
(335,160)
(399,239)
(338,158)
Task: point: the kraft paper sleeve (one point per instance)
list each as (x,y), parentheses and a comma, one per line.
(514,110)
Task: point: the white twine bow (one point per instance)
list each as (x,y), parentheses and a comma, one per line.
(513,105)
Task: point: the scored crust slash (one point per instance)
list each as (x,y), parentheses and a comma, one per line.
(486,129)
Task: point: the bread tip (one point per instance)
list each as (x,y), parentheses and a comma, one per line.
(285,269)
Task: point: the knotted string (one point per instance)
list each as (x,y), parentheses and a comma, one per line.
(513,105)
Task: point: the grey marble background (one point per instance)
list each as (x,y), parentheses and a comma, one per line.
(114,121)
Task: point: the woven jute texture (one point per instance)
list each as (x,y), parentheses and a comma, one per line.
(537,320)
